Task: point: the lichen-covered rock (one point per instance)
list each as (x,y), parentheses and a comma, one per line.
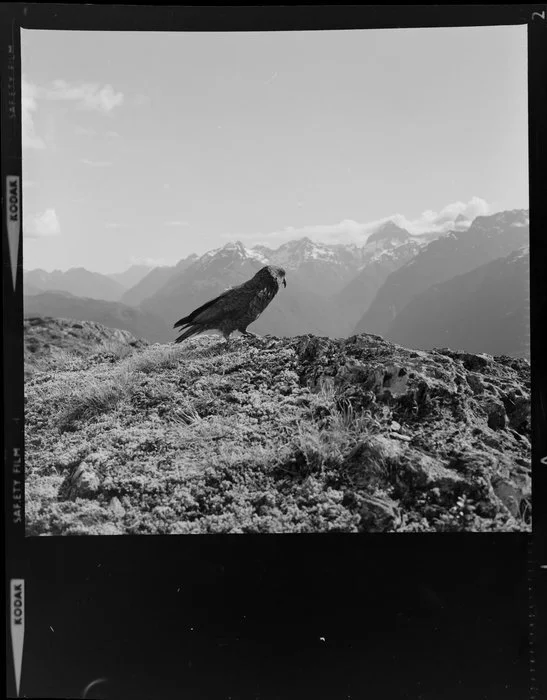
(82,483)
(495,411)
(116,507)
(301,434)
(379,514)
(513,492)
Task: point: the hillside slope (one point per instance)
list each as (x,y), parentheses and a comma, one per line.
(355,298)
(485,310)
(46,338)
(130,277)
(157,278)
(300,434)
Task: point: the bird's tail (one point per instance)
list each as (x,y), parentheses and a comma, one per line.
(184,321)
(188,333)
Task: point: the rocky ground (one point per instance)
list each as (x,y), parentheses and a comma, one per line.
(47,339)
(272,435)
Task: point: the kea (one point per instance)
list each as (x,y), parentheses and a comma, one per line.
(235,308)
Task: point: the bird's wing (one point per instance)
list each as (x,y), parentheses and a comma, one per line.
(260,299)
(230,301)
(234,301)
(191,318)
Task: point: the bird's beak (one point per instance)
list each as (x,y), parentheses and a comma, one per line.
(284,282)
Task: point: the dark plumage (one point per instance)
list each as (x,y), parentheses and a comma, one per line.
(235,308)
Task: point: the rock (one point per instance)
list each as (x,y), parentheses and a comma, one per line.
(378,514)
(512,492)
(116,507)
(475,382)
(521,438)
(518,410)
(471,361)
(422,472)
(495,410)
(395,380)
(82,483)
(399,436)
(368,461)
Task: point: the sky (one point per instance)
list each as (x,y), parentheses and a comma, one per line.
(145,147)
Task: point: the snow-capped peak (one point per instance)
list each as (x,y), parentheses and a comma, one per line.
(520,253)
(293,254)
(238,250)
(388,231)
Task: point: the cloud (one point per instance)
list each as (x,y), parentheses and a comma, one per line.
(90,96)
(475,207)
(115,224)
(84,131)
(42,225)
(349,231)
(151,262)
(444,220)
(346,231)
(272,77)
(96,163)
(29,105)
(448,215)
(140,99)
(85,95)
(176,223)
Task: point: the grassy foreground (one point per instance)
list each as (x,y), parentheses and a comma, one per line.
(275,435)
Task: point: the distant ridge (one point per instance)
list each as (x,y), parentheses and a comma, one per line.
(142,324)
(154,281)
(77,281)
(130,277)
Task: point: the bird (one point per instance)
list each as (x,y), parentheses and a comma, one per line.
(235,308)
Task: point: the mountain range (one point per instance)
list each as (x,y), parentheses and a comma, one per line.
(81,282)
(484,310)
(132,276)
(488,238)
(154,280)
(395,284)
(386,250)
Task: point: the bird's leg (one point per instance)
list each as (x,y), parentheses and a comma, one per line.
(248,334)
